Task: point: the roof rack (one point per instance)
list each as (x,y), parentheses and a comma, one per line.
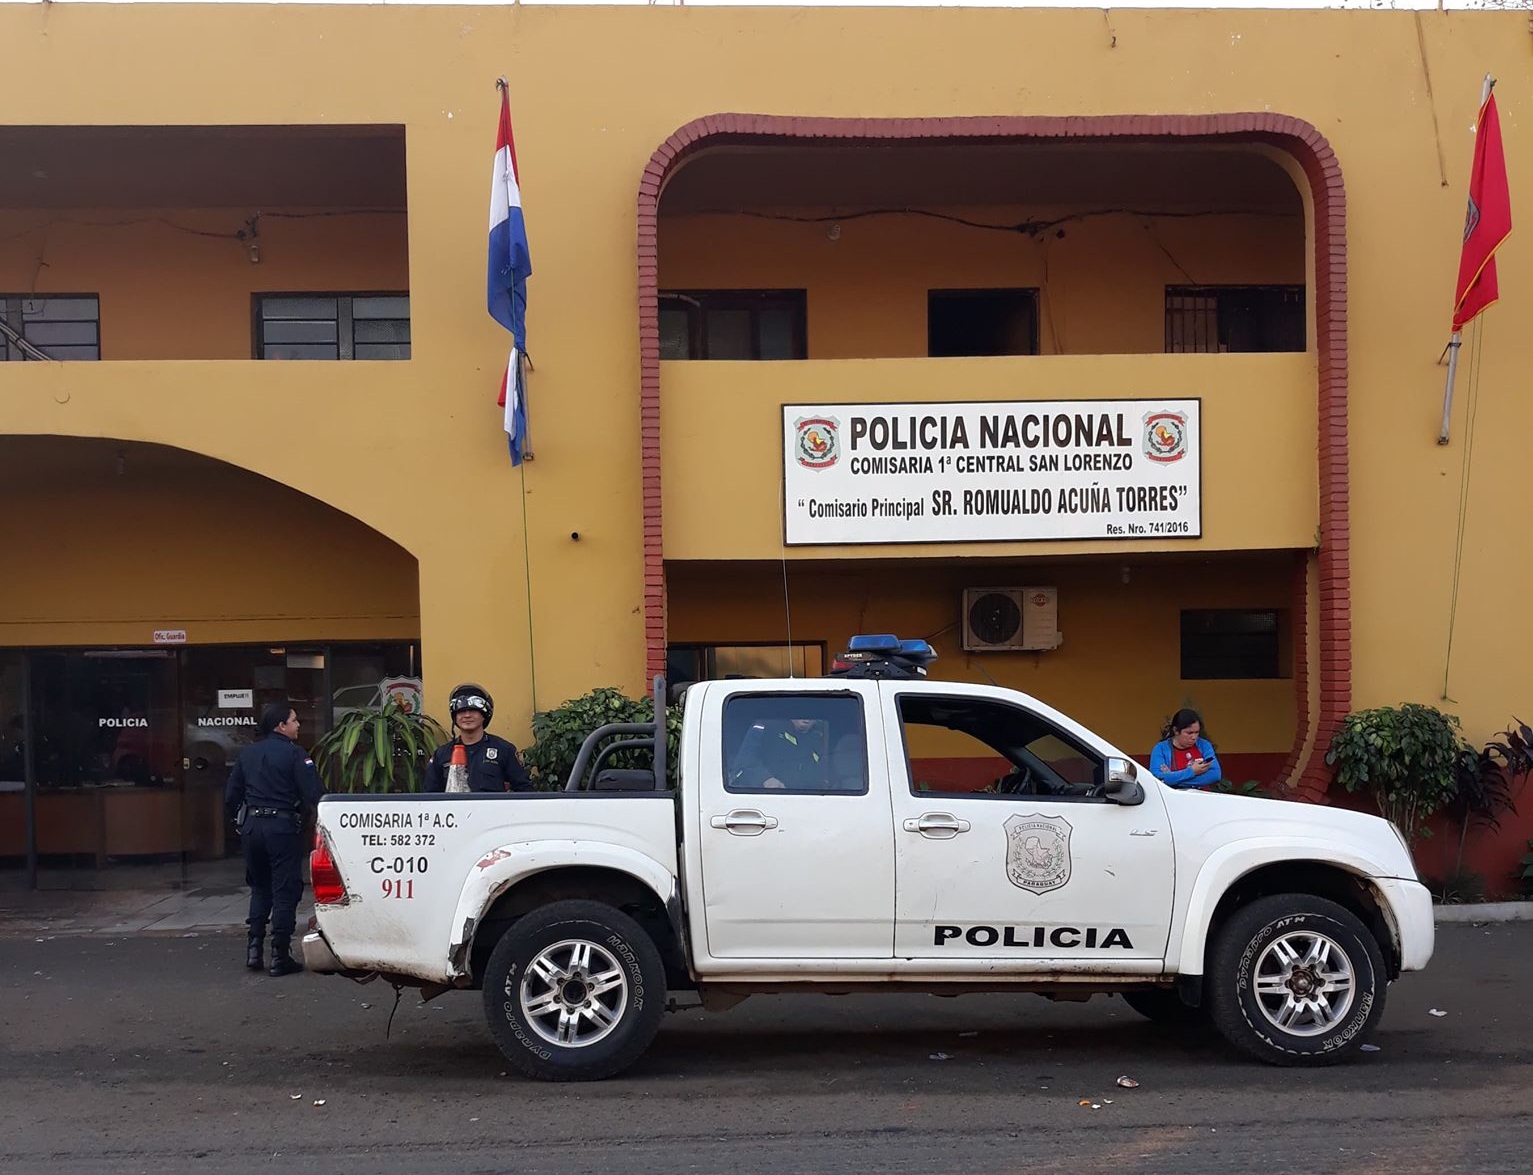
(883,655)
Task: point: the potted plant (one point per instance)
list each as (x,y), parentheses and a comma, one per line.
(1407,757)
(382,750)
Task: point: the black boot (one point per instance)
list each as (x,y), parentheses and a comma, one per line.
(282,963)
(253,958)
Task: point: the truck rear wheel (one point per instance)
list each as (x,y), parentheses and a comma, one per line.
(574,991)
(1295,980)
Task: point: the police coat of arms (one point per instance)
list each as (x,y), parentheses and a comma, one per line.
(1038,852)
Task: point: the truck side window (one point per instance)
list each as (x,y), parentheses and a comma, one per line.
(795,742)
(971,746)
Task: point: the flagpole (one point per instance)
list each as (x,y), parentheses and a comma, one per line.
(1456,341)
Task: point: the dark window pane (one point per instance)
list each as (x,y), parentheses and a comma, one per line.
(53,309)
(381,307)
(381,330)
(298,308)
(299,351)
(729,334)
(1231,643)
(381,351)
(72,353)
(675,333)
(46,334)
(981,322)
(296,331)
(777,333)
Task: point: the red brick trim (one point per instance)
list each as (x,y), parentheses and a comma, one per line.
(1294,136)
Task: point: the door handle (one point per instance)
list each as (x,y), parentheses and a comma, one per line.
(744,822)
(937,825)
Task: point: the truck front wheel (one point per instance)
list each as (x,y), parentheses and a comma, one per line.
(574,991)
(1295,980)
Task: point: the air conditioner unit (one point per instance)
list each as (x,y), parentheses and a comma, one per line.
(1009,619)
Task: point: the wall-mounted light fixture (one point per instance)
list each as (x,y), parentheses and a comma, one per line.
(250,237)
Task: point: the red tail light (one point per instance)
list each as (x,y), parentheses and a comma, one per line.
(329,886)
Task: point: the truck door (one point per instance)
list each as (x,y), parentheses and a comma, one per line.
(1005,846)
(797,847)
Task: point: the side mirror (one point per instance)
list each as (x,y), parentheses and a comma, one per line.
(1121,775)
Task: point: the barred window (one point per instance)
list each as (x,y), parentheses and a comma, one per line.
(54,326)
(1231,319)
(332,326)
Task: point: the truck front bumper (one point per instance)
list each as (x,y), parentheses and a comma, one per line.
(1410,904)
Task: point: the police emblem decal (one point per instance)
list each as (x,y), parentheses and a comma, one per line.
(492,753)
(1165,436)
(1038,852)
(817,443)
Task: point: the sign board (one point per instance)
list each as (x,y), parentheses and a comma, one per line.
(236,699)
(170,636)
(992,471)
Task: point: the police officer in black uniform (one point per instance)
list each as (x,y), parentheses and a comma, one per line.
(784,755)
(272,783)
(493,764)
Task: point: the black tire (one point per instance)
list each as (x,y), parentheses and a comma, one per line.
(1166,1007)
(620,952)
(1250,946)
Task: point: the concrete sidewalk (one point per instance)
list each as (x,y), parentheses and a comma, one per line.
(119,912)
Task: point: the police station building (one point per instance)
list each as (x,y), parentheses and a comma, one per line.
(1101,353)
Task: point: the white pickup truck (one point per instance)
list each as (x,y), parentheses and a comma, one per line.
(869,831)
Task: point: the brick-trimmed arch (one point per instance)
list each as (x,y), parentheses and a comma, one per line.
(1292,135)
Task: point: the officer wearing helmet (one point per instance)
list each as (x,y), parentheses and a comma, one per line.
(493,764)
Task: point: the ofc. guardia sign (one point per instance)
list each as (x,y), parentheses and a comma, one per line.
(991,471)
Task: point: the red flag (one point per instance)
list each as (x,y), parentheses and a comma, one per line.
(1487,221)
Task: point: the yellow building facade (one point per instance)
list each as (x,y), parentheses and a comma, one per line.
(733,211)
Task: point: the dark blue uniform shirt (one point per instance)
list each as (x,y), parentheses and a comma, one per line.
(492,766)
(274,772)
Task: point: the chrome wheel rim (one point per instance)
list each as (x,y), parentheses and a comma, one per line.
(1304,983)
(574,993)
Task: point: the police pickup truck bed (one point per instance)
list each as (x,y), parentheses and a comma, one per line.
(869,832)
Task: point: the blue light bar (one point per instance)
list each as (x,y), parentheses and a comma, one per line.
(883,644)
(877,655)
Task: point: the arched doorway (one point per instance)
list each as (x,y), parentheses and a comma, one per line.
(154,601)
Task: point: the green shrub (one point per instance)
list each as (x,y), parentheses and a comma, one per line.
(1251,787)
(1407,757)
(557,734)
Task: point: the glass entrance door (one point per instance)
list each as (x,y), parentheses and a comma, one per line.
(107,757)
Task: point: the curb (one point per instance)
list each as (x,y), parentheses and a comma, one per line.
(1484,912)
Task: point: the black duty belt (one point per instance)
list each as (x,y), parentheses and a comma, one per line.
(272,812)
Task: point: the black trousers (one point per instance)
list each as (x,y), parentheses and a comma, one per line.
(273,870)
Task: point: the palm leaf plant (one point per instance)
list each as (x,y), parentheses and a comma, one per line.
(378,750)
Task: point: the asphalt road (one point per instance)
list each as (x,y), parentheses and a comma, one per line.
(163,1055)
